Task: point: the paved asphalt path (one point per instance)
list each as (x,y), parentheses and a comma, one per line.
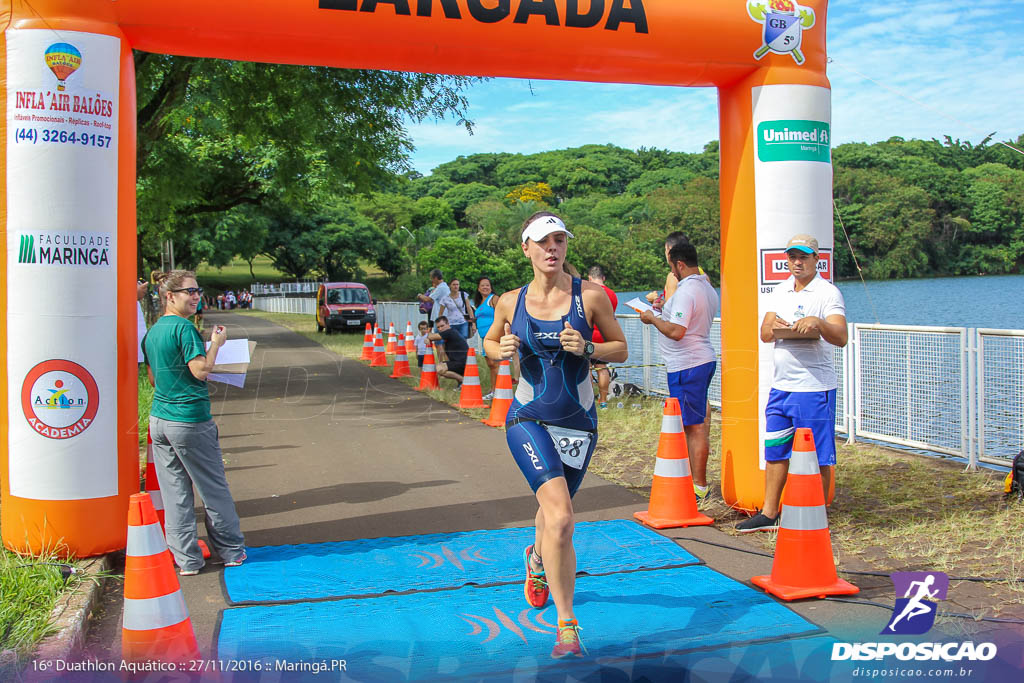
(320,448)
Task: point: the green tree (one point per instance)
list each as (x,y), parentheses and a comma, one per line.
(461,258)
(214,134)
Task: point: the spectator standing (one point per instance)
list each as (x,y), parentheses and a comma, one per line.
(465,307)
(806,318)
(684,325)
(441,296)
(484,301)
(421,341)
(600,367)
(186,447)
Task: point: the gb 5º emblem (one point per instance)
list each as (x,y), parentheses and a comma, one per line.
(784,22)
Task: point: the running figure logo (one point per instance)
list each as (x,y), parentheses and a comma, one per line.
(914,613)
(784,22)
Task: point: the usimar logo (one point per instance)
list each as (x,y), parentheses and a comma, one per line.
(59,399)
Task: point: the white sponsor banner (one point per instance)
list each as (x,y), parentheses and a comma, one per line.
(792,189)
(62,104)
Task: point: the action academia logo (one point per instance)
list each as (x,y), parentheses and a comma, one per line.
(59,399)
(784,22)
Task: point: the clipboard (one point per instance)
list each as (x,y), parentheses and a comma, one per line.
(781,333)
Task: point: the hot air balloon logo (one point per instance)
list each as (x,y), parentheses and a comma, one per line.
(63,60)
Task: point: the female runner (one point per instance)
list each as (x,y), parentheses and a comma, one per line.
(552,423)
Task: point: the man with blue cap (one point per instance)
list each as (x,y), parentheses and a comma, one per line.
(806,318)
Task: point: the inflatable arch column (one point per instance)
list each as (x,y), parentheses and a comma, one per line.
(68,441)
(68,424)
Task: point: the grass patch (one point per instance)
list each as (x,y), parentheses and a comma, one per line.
(29,591)
(893,511)
(236,274)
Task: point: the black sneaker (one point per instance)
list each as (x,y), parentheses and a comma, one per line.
(759,522)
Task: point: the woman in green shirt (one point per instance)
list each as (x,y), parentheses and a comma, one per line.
(186,446)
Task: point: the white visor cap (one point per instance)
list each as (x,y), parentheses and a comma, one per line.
(541,227)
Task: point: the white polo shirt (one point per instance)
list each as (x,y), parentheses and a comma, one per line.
(805,364)
(693,305)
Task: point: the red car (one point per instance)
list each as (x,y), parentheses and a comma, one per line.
(343,306)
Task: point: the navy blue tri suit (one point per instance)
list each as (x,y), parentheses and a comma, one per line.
(553,416)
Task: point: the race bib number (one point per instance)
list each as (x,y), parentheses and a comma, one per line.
(572,445)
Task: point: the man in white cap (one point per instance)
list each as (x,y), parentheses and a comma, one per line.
(806,318)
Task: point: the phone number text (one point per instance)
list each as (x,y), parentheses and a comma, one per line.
(60,137)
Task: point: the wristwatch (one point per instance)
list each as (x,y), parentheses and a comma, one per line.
(588,349)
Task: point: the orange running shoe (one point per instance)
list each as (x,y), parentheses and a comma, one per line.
(536,588)
(568,643)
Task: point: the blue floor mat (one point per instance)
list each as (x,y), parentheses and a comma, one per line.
(474,632)
(290,573)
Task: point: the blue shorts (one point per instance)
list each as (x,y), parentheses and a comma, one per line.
(789,410)
(535,453)
(690,388)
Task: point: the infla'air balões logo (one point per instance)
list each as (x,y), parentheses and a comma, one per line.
(59,399)
(914,613)
(784,22)
(63,59)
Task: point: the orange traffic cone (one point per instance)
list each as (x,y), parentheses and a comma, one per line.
(673,502)
(401,360)
(803,566)
(391,340)
(379,359)
(152,486)
(428,373)
(156,623)
(503,394)
(410,343)
(367,353)
(470,396)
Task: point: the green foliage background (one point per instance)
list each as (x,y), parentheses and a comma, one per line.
(310,167)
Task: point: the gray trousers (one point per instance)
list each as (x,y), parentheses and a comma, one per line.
(187,453)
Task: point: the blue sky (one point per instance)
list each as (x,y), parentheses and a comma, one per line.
(960,64)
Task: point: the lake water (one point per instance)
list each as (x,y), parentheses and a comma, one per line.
(983,301)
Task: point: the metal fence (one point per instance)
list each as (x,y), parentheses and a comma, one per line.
(280,304)
(285,288)
(951,390)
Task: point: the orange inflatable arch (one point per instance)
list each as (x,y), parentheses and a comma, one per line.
(68,440)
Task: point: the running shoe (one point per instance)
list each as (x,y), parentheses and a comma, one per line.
(759,522)
(489,396)
(603,405)
(568,643)
(701,492)
(188,572)
(536,588)
(238,562)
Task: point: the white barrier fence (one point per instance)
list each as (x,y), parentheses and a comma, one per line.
(952,390)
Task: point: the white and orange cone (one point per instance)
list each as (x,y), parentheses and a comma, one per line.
(471,396)
(390,350)
(379,359)
(803,566)
(156,624)
(428,373)
(367,353)
(503,395)
(410,341)
(673,502)
(401,368)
